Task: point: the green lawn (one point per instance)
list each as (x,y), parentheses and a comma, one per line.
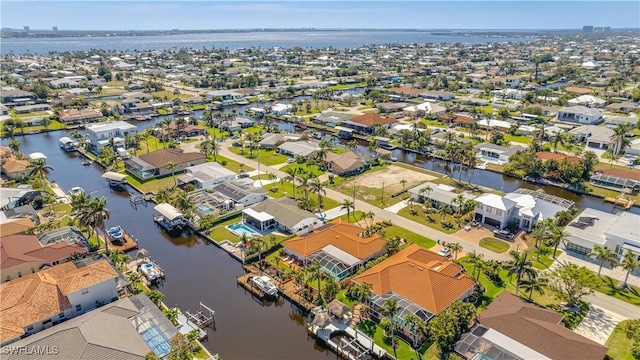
(612,287)
(433,123)
(403,350)
(619,344)
(434,220)
(409,236)
(220,232)
(309,169)
(282,188)
(55,125)
(231,164)
(346,86)
(495,245)
(267,157)
(152,185)
(518,138)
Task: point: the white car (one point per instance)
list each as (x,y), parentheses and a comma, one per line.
(445,251)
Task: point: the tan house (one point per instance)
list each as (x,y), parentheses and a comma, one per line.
(346,164)
(24,254)
(154,164)
(339,248)
(13,168)
(38,301)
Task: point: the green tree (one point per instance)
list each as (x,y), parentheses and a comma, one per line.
(455,249)
(347,204)
(38,168)
(14,145)
(389,309)
(520,266)
(477,260)
(171,166)
(537,284)
(603,255)
(630,263)
(619,137)
(393,245)
(573,282)
(155,296)
(180,348)
(556,236)
(446,327)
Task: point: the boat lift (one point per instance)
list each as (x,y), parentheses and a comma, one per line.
(202,318)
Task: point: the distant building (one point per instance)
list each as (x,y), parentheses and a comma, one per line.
(100,135)
(580,115)
(587,29)
(206,175)
(154,164)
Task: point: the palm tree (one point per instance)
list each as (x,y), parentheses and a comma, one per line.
(258,243)
(558,137)
(520,266)
(556,236)
(14,145)
(427,189)
(444,210)
(403,182)
(619,137)
(315,272)
(315,187)
(535,284)
(416,326)
(392,245)
(389,310)
(347,204)
(630,263)
(171,166)
(455,249)
(476,260)
(564,217)
(39,168)
(94,215)
(155,296)
(604,255)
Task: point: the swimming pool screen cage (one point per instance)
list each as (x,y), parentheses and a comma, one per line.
(70,234)
(404,307)
(332,265)
(154,328)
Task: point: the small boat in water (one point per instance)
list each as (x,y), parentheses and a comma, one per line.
(264,283)
(148,270)
(76,190)
(87,162)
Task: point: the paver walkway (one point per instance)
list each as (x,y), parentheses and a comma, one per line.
(598,324)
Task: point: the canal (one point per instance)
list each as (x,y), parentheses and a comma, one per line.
(196,270)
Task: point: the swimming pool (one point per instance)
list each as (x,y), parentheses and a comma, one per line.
(205,209)
(240,229)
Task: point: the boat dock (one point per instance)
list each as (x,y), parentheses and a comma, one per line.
(291,291)
(352,344)
(199,320)
(130,243)
(621,201)
(243,281)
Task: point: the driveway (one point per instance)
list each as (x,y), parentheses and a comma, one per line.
(598,324)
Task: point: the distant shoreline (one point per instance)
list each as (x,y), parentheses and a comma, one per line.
(21,33)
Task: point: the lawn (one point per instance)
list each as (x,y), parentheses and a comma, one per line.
(435,222)
(152,185)
(267,157)
(612,287)
(409,236)
(309,169)
(231,164)
(220,232)
(55,125)
(619,344)
(518,138)
(433,123)
(403,350)
(283,188)
(495,245)
(346,86)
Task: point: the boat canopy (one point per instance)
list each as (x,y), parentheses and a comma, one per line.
(37,156)
(66,140)
(114,176)
(168,211)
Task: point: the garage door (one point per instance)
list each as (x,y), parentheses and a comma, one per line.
(492,222)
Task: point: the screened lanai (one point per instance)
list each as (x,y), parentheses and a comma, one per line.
(614,182)
(336,262)
(404,307)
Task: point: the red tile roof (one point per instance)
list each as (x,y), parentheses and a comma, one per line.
(372,119)
(18,249)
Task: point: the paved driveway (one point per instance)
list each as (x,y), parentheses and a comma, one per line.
(598,324)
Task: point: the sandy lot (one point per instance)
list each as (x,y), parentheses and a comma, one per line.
(391,177)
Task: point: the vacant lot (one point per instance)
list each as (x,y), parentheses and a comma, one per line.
(391,176)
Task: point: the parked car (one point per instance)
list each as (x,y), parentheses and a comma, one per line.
(243,175)
(445,251)
(291,160)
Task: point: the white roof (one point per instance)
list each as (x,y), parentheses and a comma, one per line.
(168,211)
(494,123)
(114,176)
(260,216)
(495,201)
(37,155)
(512,346)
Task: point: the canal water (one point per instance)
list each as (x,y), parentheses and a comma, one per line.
(196,270)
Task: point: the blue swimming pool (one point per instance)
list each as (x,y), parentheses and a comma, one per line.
(240,229)
(205,209)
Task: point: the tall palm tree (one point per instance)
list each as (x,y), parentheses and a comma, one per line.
(604,255)
(14,145)
(564,217)
(315,273)
(521,266)
(630,263)
(258,243)
(392,245)
(538,284)
(316,187)
(171,166)
(427,189)
(95,214)
(476,260)
(416,326)
(557,235)
(558,138)
(389,310)
(347,204)
(39,168)
(455,249)
(619,137)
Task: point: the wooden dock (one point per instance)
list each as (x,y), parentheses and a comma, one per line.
(243,281)
(291,291)
(621,201)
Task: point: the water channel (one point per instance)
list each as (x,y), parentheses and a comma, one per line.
(198,271)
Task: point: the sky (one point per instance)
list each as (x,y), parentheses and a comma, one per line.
(239,14)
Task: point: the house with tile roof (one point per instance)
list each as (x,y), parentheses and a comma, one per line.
(365,124)
(25,254)
(154,164)
(339,248)
(512,328)
(129,328)
(422,283)
(346,164)
(38,301)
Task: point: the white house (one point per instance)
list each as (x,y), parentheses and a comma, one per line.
(241,192)
(424,109)
(587,100)
(593,136)
(99,135)
(495,153)
(283,214)
(207,175)
(618,232)
(524,207)
(281,109)
(438,195)
(581,115)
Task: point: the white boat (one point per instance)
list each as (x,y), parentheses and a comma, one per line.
(264,283)
(76,190)
(149,271)
(482,166)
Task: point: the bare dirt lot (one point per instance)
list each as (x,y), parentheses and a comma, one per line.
(391,176)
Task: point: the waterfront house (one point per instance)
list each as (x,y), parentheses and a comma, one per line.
(37,301)
(437,95)
(279,214)
(129,328)
(598,137)
(281,109)
(15,168)
(25,254)
(613,121)
(617,232)
(422,283)
(439,195)
(523,208)
(346,164)
(331,117)
(27,109)
(237,124)
(587,100)
(133,106)
(365,124)
(73,116)
(496,154)
(622,107)
(20,225)
(581,115)
(206,175)
(224,95)
(514,328)
(13,197)
(299,148)
(240,192)
(154,164)
(271,141)
(338,247)
(100,135)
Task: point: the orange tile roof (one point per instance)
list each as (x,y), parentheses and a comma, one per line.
(547,155)
(13,165)
(18,249)
(577,90)
(343,235)
(633,174)
(32,298)
(16,226)
(421,276)
(160,158)
(372,119)
(406,90)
